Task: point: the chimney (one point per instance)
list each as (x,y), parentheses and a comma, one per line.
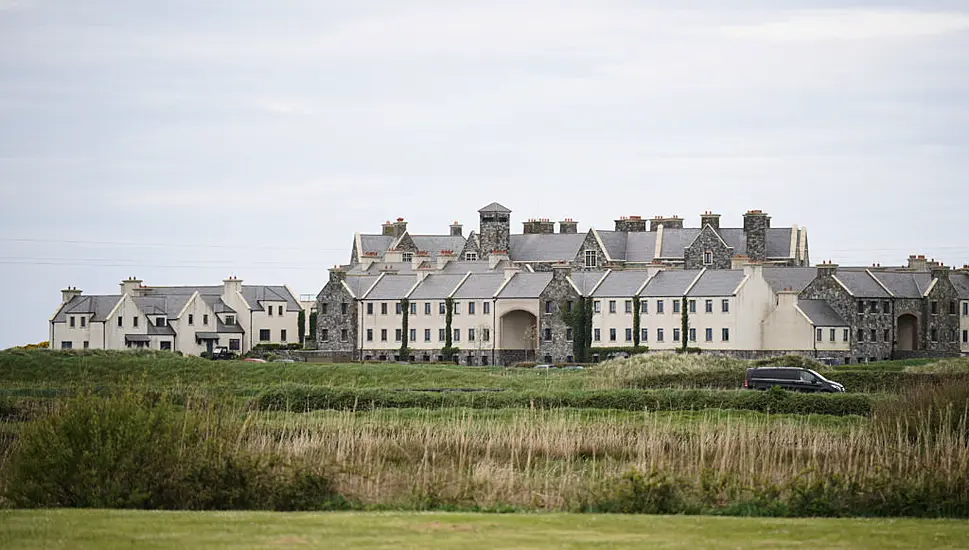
(541,226)
(231,285)
(445,256)
(671,222)
(827,269)
(389,269)
(940,272)
(129,285)
(510,271)
(424,270)
(630,224)
(69,293)
(393,255)
(419,258)
(368,259)
(387,229)
(560,271)
(754,269)
(497,256)
(738,261)
(756,224)
(338,273)
(457,230)
(711,219)
(568,226)
(399,228)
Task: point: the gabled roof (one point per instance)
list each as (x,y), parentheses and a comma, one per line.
(99,306)
(455,267)
(480,285)
(359,285)
(545,247)
(670,283)
(903,285)
(166,330)
(585,281)
(614,242)
(376,268)
(675,240)
(495,208)
(961,282)
(392,287)
(641,246)
(215,302)
(436,286)
(717,282)
(526,285)
(861,284)
(794,278)
(820,313)
(169,306)
(621,284)
(434,244)
(375,243)
(269,293)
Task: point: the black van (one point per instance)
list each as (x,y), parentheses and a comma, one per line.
(789,378)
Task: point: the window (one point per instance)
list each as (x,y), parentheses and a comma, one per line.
(191,319)
(383,335)
(591,258)
(935,335)
(441,335)
(887,337)
(676,335)
(427,335)
(88,345)
(230,319)
(470,256)
(612,335)
(427,308)
(134,322)
(548,306)
(486,308)
(344,335)
(861,335)
(935,307)
(612,306)
(547,334)
(164,346)
(407,256)
(280,310)
(471,335)
(413,308)
(441,308)
(470,308)
(886,307)
(270,311)
(725,306)
(861,306)
(725,334)
(398,333)
(676,307)
(874,335)
(844,335)
(659,306)
(568,306)
(965,308)
(264,335)
(120,321)
(707,257)
(708,334)
(370,335)
(820,335)
(486,334)
(235,344)
(596,335)
(629,335)
(693,335)
(325,308)
(596,306)
(282,335)
(67,345)
(369,308)
(832,334)
(629,306)
(383,308)
(456,308)
(952,311)
(644,307)
(644,336)
(72,322)
(965,337)
(325,334)
(397,308)
(692,304)
(708,305)
(160,322)
(457,335)
(873,306)
(659,335)
(568,334)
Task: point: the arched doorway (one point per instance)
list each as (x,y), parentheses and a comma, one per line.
(908,332)
(519,331)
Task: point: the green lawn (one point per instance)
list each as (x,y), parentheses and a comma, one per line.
(97,529)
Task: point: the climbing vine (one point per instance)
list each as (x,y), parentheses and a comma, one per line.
(404,332)
(448,351)
(684,324)
(635,321)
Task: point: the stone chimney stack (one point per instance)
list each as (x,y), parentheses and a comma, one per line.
(711,219)
(827,269)
(541,226)
(756,224)
(940,272)
(630,224)
(671,222)
(231,285)
(338,273)
(457,230)
(400,227)
(69,293)
(387,229)
(918,263)
(568,226)
(129,285)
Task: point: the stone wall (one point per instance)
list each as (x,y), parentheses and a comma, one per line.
(559,291)
(756,224)
(707,240)
(331,300)
(495,235)
(946,326)
(632,224)
(590,243)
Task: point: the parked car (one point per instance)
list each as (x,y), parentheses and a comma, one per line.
(789,378)
(221,352)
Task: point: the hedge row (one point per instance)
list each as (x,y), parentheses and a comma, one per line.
(300,398)
(855,380)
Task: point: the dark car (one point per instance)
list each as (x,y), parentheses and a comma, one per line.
(789,378)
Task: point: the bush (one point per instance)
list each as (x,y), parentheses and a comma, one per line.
(635,493)
(926,411)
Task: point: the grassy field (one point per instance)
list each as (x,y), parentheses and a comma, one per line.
(100,529)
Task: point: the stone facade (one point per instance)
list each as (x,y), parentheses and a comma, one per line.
(495,233)
(942,327)
(590,243)
(552,323)
(707,241)
(538,227)
(336,312)
(756,224)
(630,224)
(568,226)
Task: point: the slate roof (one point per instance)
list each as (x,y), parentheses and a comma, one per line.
(614,243)
(215,302)
(717,282)
(495,208)
(436,286)
(392,287)
(904,285)
(222,327)
(545,247)
(375,243)
(359,285)
(641,246)
(480,266)
(376,268)
(675,240)
(669,283)
(99,306)
(252,294)
(168,305)
(585,281)
(795,278)
(480,285)
(861,284)
(779,242)
(622,284)
(270,293)
(820,313)
(166,330)
(526,285)
(434,244)
(961,282)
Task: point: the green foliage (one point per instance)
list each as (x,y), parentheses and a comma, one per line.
(688,349)
(926,409)
(404,326)
(450,352)
(301,320)
(579,319)
(448,316)
(275,347)
(636,493)
(314,316)
(636,322)
(789,361)
(604,352)
(684,324)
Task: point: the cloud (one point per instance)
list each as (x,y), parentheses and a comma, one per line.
(853,24)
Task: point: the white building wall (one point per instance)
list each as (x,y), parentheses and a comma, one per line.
(508,305)
(786,328)
(964,325)
(390,322)
(77,335)
(275,324)
(128,311)
(203,319)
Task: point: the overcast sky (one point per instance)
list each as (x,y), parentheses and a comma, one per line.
(187,140)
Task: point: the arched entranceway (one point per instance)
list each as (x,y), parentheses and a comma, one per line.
(908,332)
(519,331)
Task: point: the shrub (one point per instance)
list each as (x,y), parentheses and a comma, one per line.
(636,493)
(789,361)
(928,410)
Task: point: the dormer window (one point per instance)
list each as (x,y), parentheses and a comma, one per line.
(591,258)
(230,319)
(470,256)
(708,257)
(408,256)
(160,322)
